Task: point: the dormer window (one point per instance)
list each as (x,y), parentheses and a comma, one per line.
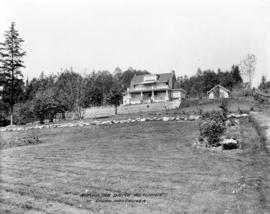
(150,78)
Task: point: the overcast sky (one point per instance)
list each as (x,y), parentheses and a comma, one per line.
(156,35)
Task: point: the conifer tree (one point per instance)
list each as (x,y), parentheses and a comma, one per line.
(11,63)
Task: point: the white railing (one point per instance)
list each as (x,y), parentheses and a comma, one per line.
(139,88)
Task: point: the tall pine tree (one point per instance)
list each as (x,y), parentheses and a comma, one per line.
(11,63)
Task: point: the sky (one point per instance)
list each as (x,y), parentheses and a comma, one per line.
(155,35)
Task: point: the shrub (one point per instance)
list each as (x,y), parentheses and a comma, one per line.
(23,113)
(4,121)
(212,126)
(46,105)
(185,103)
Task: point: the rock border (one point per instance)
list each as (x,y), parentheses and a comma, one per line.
(110,122)
(96,122)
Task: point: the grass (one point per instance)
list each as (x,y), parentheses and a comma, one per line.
(260,131)
(79,170)
(235,105)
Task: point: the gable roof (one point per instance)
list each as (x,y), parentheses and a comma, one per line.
(138,79)
(180,89)
(220,86)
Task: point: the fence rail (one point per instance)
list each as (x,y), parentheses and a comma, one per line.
(261,95)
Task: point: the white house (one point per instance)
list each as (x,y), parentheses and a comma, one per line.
(150,88)
(218,92)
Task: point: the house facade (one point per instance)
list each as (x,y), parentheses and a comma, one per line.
(218,92)
(150,88)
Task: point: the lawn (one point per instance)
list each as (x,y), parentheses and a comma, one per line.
(148,167)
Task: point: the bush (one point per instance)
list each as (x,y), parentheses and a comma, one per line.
(212,126)
(46,106)
(4,121)
(23,113)
(4,112)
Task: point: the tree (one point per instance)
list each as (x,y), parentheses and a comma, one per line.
(11,55)
(210,79)
(236,74)
(247,68)
(23,112)
(114,98)
(70,90)
(46,105)
(93,94)
(263,83)
(226,79)
(39,84)
(104,82)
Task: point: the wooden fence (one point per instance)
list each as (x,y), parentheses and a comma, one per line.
(261,95)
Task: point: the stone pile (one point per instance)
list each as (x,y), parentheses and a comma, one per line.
(237,115)
(96,122)
(228,144)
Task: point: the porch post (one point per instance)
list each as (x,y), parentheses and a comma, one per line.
(141,96)
(129,98)
(153,96)
(167,95)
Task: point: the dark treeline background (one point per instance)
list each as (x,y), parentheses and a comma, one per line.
(199,84)
(43,97)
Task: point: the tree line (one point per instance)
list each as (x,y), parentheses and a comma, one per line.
(200,83)
(68,91)
(43,97)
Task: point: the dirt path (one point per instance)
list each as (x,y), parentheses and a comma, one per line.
(255,175)
(263,119)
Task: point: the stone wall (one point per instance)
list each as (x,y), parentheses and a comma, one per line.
(127,109)
(101,111)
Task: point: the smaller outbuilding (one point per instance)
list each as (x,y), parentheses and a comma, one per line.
(218,92)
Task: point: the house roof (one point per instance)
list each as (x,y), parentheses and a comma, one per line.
(220,86)
(180,89)
(138,79)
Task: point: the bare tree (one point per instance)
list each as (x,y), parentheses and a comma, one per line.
(247,67)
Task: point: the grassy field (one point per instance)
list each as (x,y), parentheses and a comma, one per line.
(148,167)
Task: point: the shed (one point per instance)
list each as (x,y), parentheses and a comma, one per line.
(218,92)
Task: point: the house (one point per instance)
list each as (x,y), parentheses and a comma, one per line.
(150,88)
(218,92)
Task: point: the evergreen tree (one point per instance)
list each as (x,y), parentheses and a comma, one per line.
(11,55)
(114,97)
(236,74)
(263,83)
